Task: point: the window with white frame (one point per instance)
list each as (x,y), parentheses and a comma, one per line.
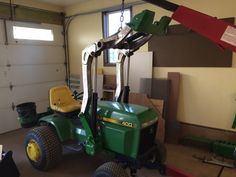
(111,24)
(27,33)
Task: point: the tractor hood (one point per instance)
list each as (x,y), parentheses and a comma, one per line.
(129,115)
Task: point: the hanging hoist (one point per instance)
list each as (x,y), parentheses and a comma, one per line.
(122,10)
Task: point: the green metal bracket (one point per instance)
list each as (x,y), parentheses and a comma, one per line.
(195,141)
(224,148)
(92,145)
(143,22)
(234,123)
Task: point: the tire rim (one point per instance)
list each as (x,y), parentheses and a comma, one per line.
(33,151)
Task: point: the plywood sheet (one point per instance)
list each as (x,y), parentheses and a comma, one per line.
(157,89)
(159,105)
(184,48)
(172,125)
(143,100)
(140,99)
(109,82)
(174,78)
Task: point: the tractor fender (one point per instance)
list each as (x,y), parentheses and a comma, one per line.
(63,126)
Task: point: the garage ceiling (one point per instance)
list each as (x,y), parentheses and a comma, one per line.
(61,2)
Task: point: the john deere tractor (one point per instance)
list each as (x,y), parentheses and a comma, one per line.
(123,129)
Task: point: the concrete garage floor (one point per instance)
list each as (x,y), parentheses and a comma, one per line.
(79,164)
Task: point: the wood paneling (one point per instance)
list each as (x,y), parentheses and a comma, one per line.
(211,133)
(184,48)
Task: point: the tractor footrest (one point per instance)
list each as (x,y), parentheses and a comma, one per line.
(74,147)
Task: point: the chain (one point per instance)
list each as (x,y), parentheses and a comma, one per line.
(122,13)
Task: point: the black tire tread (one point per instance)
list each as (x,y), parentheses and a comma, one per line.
(158,157)
(50,146)
(112,169)
(162,152)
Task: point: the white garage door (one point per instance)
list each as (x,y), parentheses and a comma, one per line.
(28,69)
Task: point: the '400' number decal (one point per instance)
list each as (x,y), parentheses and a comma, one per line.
(127,124)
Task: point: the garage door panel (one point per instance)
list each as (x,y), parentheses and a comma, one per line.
(57,32)
(6,98)
(42,106)
(34,55)
(8,119)
(3,55)
(2,35)
(31,68)
(33,93)
(25,75)
(4,82)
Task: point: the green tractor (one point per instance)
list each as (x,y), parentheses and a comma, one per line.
(125,130)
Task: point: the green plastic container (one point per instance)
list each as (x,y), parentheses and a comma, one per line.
(224,148)
(27,114)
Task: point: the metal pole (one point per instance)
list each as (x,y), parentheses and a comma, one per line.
(5,32)
(95,75)
(128,69)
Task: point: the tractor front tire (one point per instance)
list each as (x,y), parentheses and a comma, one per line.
(110,169)
(158,157)
(43,148)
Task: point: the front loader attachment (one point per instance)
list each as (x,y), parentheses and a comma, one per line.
(144,22)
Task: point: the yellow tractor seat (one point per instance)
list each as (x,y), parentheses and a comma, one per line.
(61,100)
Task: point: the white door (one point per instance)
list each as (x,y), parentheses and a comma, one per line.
(141,65)
(28,69)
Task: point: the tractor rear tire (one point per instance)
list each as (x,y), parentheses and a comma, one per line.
(158,157)
(43,148)
(110,169)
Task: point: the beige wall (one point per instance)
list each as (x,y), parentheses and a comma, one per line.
(36,4)
(207,95)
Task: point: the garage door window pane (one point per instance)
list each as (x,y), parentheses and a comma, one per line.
(32,33)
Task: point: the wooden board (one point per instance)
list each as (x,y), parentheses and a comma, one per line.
(109,81)
(172,125)
(143,100)
(207,132)
(157,89)
(159,105)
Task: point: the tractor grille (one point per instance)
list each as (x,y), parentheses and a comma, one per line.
(147,138)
